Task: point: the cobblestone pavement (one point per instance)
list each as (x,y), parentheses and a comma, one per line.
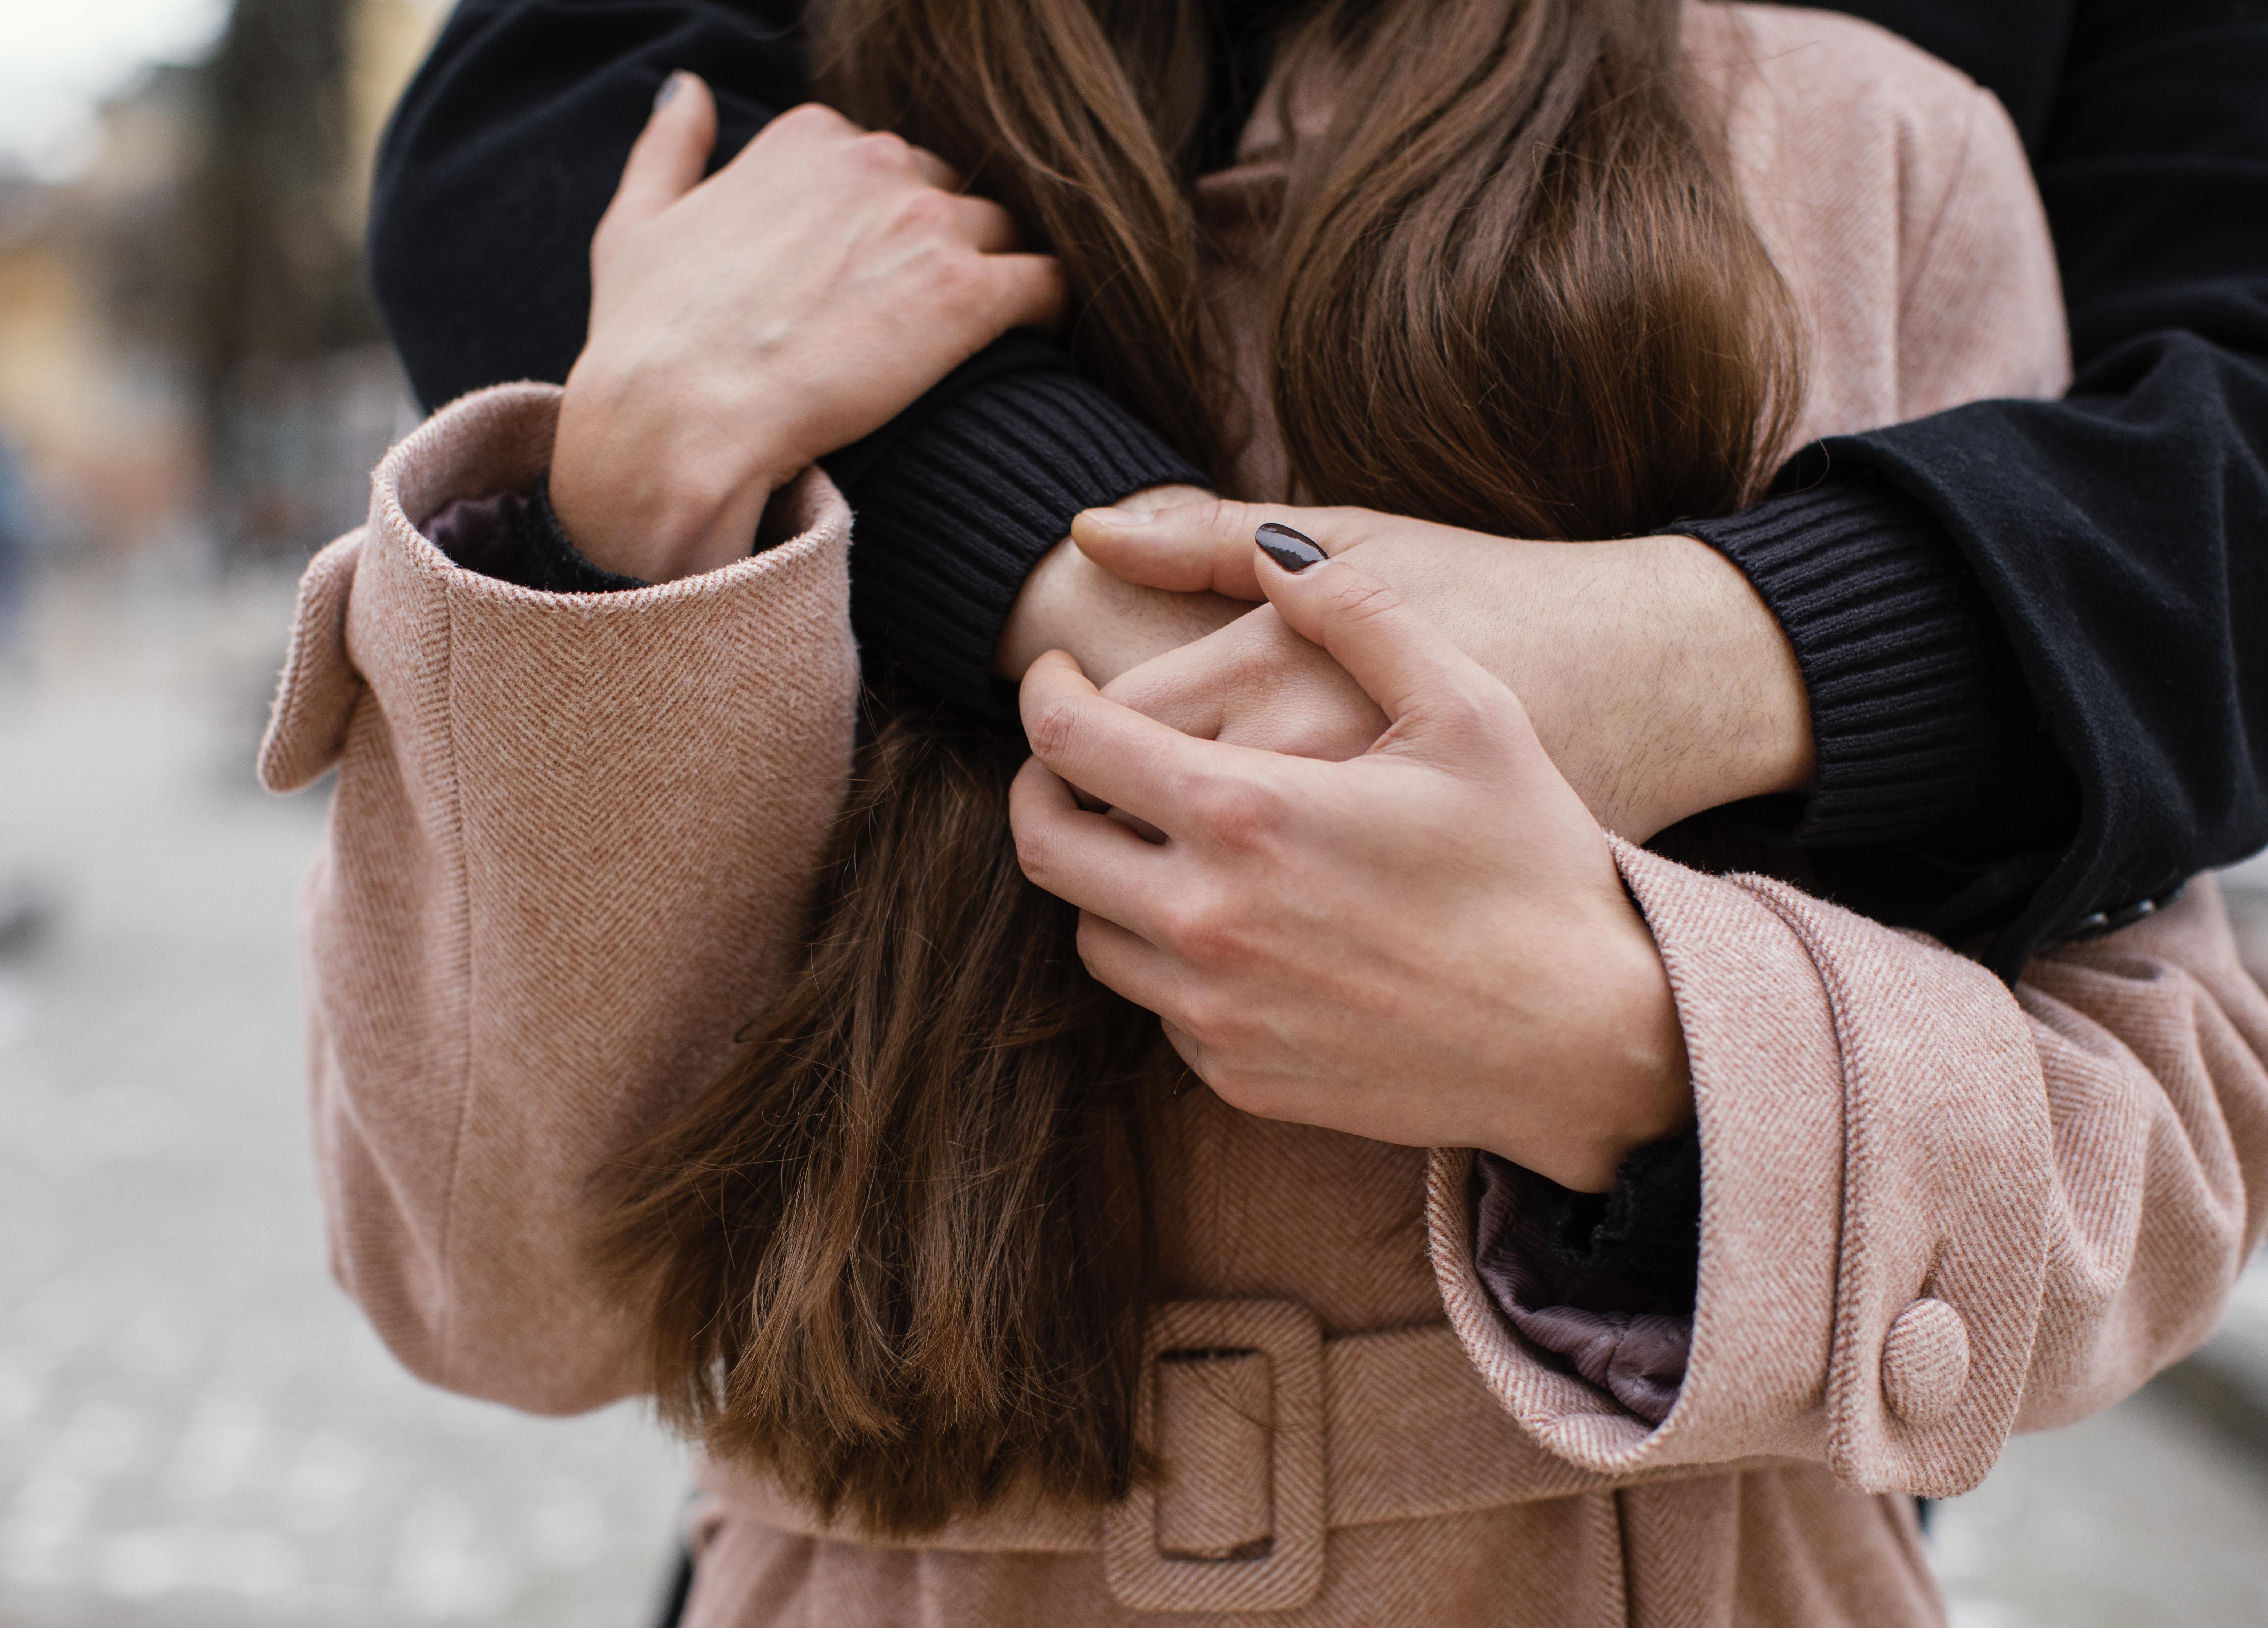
(196,1429)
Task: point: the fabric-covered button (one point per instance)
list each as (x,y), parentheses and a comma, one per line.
(1925,1362)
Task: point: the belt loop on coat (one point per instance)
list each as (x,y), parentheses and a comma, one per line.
(1230,1401)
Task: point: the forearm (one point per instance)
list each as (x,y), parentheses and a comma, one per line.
(2108,535)
(1708,706)
(508,752)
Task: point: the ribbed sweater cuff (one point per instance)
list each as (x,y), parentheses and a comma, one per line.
(952,519)
(1916,697)
(517,538)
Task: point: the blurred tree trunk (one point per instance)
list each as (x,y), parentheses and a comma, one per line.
(283,280)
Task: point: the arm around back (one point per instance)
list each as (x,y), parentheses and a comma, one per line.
(2085,569)
(568,854)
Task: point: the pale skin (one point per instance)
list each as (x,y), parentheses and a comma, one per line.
(1372,891)
(744,326)
(1427,943)
(1658,682)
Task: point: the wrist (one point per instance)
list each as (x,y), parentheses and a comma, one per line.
(1621,1082)
(1718,709)
(647,485)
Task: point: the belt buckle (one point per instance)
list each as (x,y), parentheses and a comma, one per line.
(1142,1575)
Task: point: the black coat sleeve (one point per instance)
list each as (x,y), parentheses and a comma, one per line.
(2121,535)
(491,178)
(2115,541)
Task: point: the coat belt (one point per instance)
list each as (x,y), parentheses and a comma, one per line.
(1267,1435)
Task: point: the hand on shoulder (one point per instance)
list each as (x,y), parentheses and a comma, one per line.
(745,325)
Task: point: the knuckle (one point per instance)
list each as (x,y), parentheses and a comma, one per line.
(960,282)
(1231,809)
(1464,709)
(926,211)
(1360,598)
(1085,939)
(1032,852)
(1207,933)
(1205,1014)
(1053,729)
(1227,516)
(882,152)
(811,120)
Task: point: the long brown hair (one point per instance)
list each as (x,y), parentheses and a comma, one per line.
(898,1255)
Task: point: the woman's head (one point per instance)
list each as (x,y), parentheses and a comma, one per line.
(898,1255)
(1514,287)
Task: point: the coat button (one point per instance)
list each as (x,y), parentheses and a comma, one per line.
(1925,1362)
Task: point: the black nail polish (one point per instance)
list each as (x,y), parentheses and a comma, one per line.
(669,88)
(1294,550)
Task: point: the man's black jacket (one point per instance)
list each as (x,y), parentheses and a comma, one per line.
(2035,634)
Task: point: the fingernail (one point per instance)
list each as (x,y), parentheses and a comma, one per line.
(669,88)
(1112,517)
(1294,550)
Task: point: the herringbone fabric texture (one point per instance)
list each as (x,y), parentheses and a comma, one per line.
(569,849)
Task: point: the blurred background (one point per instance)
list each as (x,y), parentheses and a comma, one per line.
(194,1426)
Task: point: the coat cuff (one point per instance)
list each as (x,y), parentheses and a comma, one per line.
(1875,1157)
(1921,718)
(1605,1280)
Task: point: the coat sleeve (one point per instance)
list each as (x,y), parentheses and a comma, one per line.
(569,849)
(2115,533)
(1934,1209)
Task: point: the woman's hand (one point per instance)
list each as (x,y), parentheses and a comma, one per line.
(743,325)
(1428,944)
(1660,684)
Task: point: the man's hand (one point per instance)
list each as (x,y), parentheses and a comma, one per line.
(1109,623)
(1656,679)
(1426,944)
(743,325)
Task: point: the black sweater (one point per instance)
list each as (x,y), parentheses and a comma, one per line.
(2022,624)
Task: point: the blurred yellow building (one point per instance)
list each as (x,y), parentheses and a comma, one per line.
(148,385)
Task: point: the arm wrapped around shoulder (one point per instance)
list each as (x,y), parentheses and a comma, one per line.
(1934,1209)
(569,851)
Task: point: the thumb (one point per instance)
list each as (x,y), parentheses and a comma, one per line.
(1190,547)
(1433,695)
(670,155)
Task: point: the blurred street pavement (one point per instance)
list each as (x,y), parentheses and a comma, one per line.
(198,1431)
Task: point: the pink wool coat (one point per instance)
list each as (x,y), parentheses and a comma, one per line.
(568,850)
